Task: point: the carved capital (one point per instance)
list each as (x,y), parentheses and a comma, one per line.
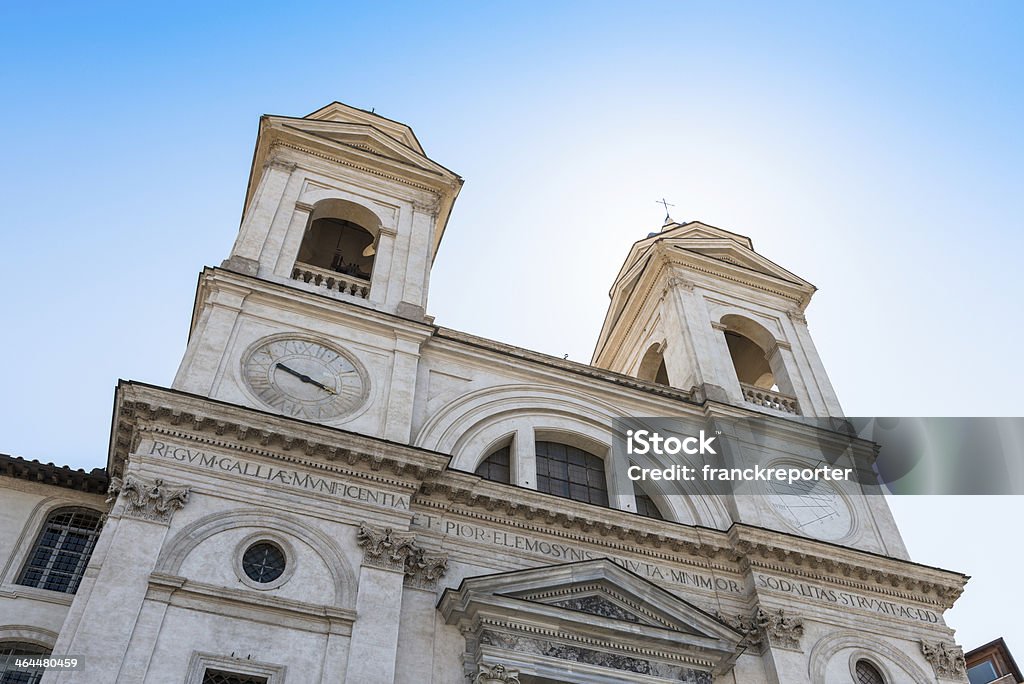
(746,625)
(766,628)
(391,551)
(684,283)
(946,659)
(496,674)
(424,569)
(428,207)
(278,164)
(384,548)
(147,499)
(797,316)
(780,629)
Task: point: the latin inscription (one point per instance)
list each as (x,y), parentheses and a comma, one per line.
(845,599)
(569,553)
(283,476)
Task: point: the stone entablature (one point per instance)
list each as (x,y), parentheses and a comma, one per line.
(430,487)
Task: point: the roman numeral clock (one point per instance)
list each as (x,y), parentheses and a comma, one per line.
(304,377)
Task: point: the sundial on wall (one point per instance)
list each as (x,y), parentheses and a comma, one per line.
(813,509)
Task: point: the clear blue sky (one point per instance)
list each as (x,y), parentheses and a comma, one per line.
(874,149)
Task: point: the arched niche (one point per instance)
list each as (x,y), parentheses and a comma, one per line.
(341,236)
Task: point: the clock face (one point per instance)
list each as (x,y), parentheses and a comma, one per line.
(816,510)
(304,378)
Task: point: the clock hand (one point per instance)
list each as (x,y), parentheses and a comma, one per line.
(305,378)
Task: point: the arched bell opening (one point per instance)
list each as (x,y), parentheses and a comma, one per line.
(760,364)
(341,237)
(652,366)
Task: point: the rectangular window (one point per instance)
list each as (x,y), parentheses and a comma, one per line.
(212,676)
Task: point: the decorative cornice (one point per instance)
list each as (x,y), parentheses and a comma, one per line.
(147,499)
(946,659)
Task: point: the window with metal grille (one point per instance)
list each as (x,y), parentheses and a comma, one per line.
(263,562)
(570,472)
(222,677)
(646,507)
(9,650)
(62,550)
(497,466)
(868,673)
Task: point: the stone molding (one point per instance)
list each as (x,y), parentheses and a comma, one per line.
(384,548)
(147,499)
(496,674)
(946,659)
(767,628)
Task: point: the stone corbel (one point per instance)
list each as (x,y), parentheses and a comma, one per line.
(147,499)
(496,674)
(946,659)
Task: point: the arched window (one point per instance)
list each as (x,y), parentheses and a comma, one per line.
(341,237)
(497,466)
(570,472)
(62,550)
(868,673)
(9,651)
(645,505)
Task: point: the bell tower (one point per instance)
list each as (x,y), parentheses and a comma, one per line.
(694,306)
(319,311)
(345,203)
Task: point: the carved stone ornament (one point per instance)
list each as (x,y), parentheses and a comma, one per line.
(946,659)
(147,499)
(781,630)
(390,551)
(496,674)
(765,628)
(746,625)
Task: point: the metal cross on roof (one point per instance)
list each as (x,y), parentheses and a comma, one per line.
(665,204)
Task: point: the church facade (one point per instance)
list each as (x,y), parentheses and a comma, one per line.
(335,488)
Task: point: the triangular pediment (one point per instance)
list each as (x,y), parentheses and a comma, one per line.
(343,113)
(623,617)
(364,138)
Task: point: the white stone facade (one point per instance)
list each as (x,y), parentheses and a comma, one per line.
(322,412)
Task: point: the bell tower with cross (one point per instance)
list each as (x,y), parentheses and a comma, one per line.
(695,307)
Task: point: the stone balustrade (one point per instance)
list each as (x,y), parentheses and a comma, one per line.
(776,401)
(331,280)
